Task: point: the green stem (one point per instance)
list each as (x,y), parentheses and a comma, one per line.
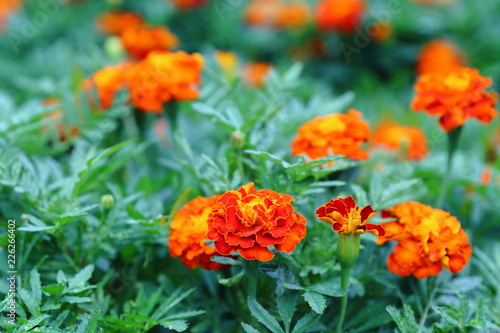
(453,137)
(171,111)
(345,273)
(252,269)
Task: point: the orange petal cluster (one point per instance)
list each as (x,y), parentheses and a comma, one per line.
(164,76)
(138,41)
(340,15)
(455,96)
(395,137)
(381,31)
(188,233)
(339,134)
(347,218)
(254,73)
(7,8)
(188,4)
(277,14)
(248,221)
(428,239)
(116,22)
(439,56)
(107,82)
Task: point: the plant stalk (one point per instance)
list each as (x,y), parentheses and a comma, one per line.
(453,137)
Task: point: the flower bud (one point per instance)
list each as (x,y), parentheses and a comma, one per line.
(237,139)
(113,47)
(348,249)
(107,201)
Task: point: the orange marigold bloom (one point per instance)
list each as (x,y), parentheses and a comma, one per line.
(293,15)
(340,134)
(188,4)
(277,14)
(188,236)
(347,218)
(381,31)
(455,96)
(439,56)
(486,176)
(255,73)
(116,22)
(394,137)
(107,82)
(340,15)
(428,239)
(248,221)
(139,41)
(164,76)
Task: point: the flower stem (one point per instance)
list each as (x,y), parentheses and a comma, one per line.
(453,137)
(252,270)
(345,273)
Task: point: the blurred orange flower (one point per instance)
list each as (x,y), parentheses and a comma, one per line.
(428,239)
(248,221)
(346,218)
(455,96)
(277,14)
(228,63)
(7,8)
(164,76)
(340,15)
(486,176)
(188,236)
(55,118)
(394,137)
(381,31)
(339,134)
(140,40)
(255,73)
(439,56)
(107,82)
(188,4)
(116,22)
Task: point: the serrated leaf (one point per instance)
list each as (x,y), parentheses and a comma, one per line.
(60,319)
(406,323)
(36,287)
(170,303)
(32,323)
(316,301)
(226,261)
(81,277)
(54,289)
(176,325)
(32,228)
(286,305)
(185,314)
(263,316)
(29,301)
(248,328)
(75,299)
(229,282)
(306,322)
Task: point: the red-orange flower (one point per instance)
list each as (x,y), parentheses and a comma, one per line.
(347,218)
(188,236)
(394,137)
(164,76)
(428,239)
(455,96)
(248,221)
(107,82)
(340,15)
(255,73)
(140,40)
(116,22)
(340,134)
(381,31)
(439,56)
(188,4)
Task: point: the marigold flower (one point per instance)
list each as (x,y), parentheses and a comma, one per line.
(428,239)
(439,56)
(188,236)
(116,22)
(188,4)
(340,15)
(394,137)
(346,218)
(381,31)
(293,15)
(255,73)
(64,131)
(340,134)
(455,96)
(486,176)
(228,63)
(107,82)
(277,14)
(164,76)
(248,221)
(139,41)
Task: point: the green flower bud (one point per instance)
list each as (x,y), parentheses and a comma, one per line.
(113,47)
(107,201)
(238,139)
(348,249)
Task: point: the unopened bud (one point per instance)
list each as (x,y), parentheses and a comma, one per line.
(348,249)
(107,201)
(113,47)
(237,139)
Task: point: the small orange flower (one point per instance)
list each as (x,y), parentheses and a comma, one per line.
(381,31)
(139,41)
(107,82)
(340,15)
(255,73)
(164,76)
(486,176)
(455,96)
(228,63)
(340,134)
(188,4)
(293,15)
(188,236)
(7,8)
(277,14)
(116,22)
(346,218)
(428,239)
(248,221)
(439,56)
(64,132)
(394,137)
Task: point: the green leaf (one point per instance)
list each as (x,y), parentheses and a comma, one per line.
(286,305)
(74,299)
(226,261)
(170,303)
(32,323)
(93,322)
(54,289)
(186,314)
(81,277)
(29,301)
(305,322)
(263,316)
(60,319)
(248,328)
(229,282)
(176,325)
(316,301)
(36,287)
(406,323)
